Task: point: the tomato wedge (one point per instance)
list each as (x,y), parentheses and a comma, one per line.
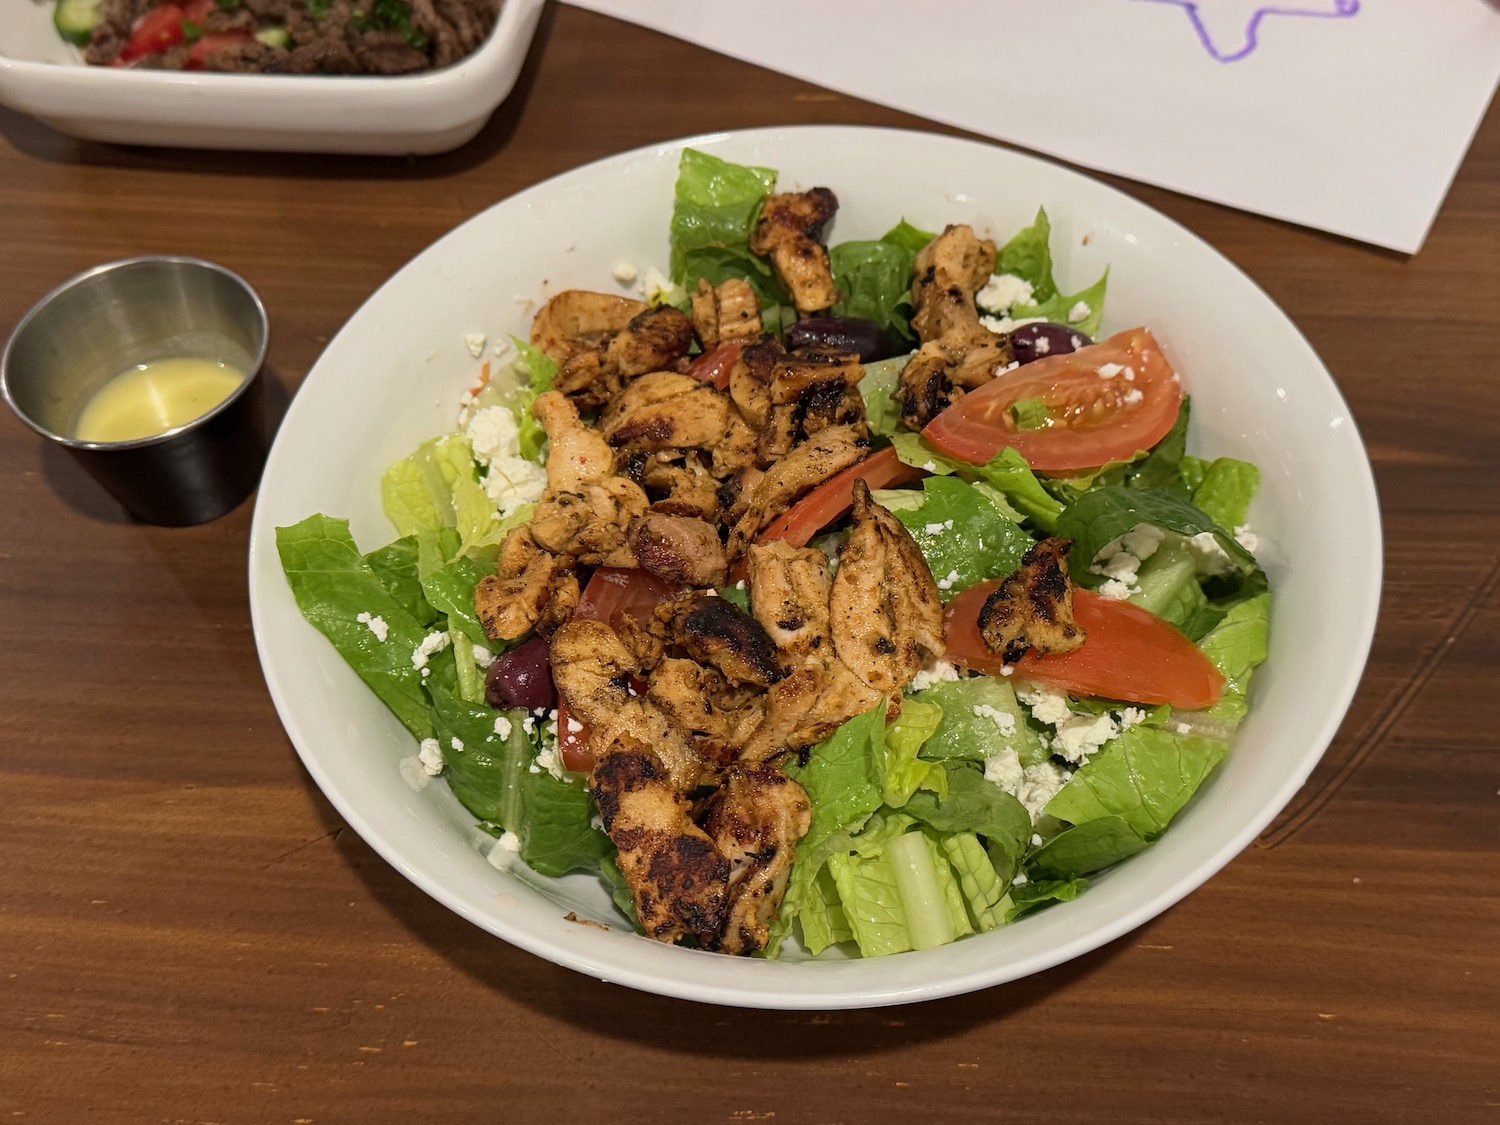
(611,591)
(1130,654)
(1106,402)
(216,41)
(835,496)
(160,29)
(715,366)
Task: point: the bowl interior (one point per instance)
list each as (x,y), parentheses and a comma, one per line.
(392,377)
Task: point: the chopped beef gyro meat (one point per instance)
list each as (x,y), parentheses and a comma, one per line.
(1033,608)
(789,231)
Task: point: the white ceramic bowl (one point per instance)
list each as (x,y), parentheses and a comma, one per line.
(435,111)
(391,377)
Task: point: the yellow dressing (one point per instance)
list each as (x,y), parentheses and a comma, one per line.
(155,397)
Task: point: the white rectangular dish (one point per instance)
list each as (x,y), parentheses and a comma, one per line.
(420,114)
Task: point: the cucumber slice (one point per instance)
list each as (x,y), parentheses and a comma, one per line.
(75,20)
(273,36)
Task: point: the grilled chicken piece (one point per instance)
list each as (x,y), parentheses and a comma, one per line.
(806,707)
(737,449)
(725,313)
(579,455)
(677,876)
(789,590)
(715,717)
(577,321)
(750,381)
(679,549)
(949,271)
(592,667)
(1033,608)
(810,391)
(944,370)
(958,353)
(533,589)
(885,609)
(755,820)
(804,468)
(593,524)
(717,632)
(665,411)
(685,488)
(790,232)
(653,340)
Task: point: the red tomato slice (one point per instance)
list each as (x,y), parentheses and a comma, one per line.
(715,366)
(1107,402)
(835,496)
(208,44)
(611,591)
(573,745)
(160,29)
(1130,654)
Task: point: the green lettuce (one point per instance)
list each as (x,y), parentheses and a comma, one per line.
(396,566)
(1236,647)
(905,773)
(963,536)
(877,387)
(1226,490)
(1085,848)
(977,805)
(333,586)
(1028,255)
(715,207)
(1008,473)
(969,733)
(1143,777)
(874,277)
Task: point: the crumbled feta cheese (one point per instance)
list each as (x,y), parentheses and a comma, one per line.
(1004,769)
(574,726)
(1001,325)
(1042,345)
(740,585)
(1132,396)
(550,760)
(513,481)
(933,529)
(413,772)
(1131,717)
(1004,291)
(626,273)
(1003,720)
(1080,736)
(457,744)
(502,726)
(493,432)
(938,672)
(475,342)
(1039,784)
(1020,880)
(657,288)
(432,644)
(1109,370)
(376,625)
(503,348)
(1182,728)
(1211,558)
(1080,311)
(1047,706)
(504,851)
(1246,538)
(948,582)
(528,724)
(1007,669)
(1036,840)
(1117,590)
(483,657)
(430,754)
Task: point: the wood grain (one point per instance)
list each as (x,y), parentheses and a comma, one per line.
(188,933)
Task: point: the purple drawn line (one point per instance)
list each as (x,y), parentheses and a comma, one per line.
(1344,9)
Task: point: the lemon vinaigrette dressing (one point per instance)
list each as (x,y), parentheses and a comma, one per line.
(154,397)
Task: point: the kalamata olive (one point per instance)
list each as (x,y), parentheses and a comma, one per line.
(1035,341)
(843,333)
(522,677)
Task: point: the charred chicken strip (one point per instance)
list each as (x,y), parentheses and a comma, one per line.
(755,819)
(1033,608)
(943,371)
(790,232)
(804,468)
(592,668)
(789,591)
(806,707)
(715,717)
(725,313)
(885,609)
(715,631)
(577,321)
(665,411)
(950,270)
(654,339)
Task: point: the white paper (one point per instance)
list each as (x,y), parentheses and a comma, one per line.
(1350,116)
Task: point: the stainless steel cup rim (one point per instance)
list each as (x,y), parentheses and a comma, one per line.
(251,375)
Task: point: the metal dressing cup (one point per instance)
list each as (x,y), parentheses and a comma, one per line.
(115,317)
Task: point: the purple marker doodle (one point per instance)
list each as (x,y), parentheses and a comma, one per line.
(1230,29)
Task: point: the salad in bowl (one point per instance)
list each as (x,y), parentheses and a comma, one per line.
(852,597)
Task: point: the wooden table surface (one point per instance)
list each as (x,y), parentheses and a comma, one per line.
(189,934)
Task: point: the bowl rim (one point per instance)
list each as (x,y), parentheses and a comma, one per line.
(787,991)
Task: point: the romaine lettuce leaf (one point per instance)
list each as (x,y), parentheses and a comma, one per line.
(1059,309)
(713,217)
(878,385)
(333,585)
(1162,467)
(1236,647)
(396,566)
(969,730)
(873,277)
(1028,255)
(1143,777)
(1226,490)
(1008,472)
(976,805)
(905,773)
(557,832)
(1039,893)
(980,883)
(1085,848)
(871,902)
(963,536)
(540,373)
(488,774)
